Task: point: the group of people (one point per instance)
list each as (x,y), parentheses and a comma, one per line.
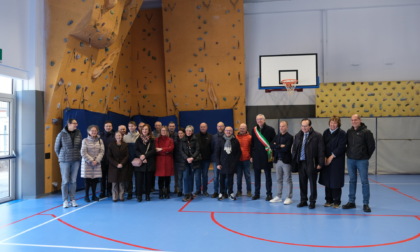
(114,159)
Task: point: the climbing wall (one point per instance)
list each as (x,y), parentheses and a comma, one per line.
(204,56)
(86,66)
(368,99)
(148,63)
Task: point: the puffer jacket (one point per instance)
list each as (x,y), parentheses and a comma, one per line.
(66,148)
(360,143)
(93,149)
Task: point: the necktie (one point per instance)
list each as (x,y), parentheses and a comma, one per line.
(302,151)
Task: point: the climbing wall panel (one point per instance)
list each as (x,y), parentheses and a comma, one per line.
(204,56)
(369,99)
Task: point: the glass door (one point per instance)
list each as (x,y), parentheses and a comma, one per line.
(7,156)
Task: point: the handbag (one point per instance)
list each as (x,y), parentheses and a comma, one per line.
(137,162)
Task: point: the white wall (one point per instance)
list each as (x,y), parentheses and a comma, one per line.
(22,41)
(356,40)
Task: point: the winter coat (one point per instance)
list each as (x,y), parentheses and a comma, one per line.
(117,154)
(228,161)
(332,175)
(131,139)
(214,141)
(204,140)
(191,148)
(178,159)
(93,149)
(164,158)
(258,153)
(149,150)
(314,149)
(245,143)
(360,143)
(282,153)
(66,148)
(107,138)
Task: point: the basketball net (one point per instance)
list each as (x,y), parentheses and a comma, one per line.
(290,85)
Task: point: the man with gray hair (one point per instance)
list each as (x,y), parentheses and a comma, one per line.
(262,136)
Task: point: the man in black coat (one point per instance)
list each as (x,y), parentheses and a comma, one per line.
(107,137)
(360,147)
(308,153)
(201,174)
(261,155)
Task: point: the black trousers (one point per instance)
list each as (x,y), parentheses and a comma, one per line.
(143,182)
(307,174)
(226,183)
(268,180)
(106,188)
(129,184)
(333,195)
(164,182)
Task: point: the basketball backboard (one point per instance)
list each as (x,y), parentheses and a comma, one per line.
(275,68)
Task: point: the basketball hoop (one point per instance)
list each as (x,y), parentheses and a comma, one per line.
(290,85)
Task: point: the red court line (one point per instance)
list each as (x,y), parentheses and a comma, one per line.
(309,245)
(395,190)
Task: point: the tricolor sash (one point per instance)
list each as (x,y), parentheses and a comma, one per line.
(265,143)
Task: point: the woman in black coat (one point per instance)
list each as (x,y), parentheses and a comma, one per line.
(190,151)
(228,153)
(332,175)
(146,151)
(117,154)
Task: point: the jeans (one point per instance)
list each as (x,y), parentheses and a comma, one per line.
(180,176)
(243,168)
(201,176)
(226,183)
(69,172)
(362,166)
(188,179)
(284,171)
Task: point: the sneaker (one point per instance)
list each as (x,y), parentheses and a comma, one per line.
(232,196)
(269,197)
(328,204)
(239,194)
(349,206)
(74,204)
(276,199)
(197,193)
(220,196)
(288,201)
(302,204)
(255,197)
(366,209)
(249,194)
(65,204)
(336,206)
(312,205)
(214,195)
(206,194)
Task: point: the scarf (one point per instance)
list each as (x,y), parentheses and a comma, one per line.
(228,144)
(145,139)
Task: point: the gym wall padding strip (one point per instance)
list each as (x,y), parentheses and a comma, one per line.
(211,117)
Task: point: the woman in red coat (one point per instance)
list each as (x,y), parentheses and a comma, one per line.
(164,162)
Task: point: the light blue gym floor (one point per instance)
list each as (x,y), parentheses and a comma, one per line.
(206,224)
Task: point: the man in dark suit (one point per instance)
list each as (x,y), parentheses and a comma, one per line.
(261,155)
(308,152)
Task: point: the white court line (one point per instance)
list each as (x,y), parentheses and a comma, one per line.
(42,224)
(72,247)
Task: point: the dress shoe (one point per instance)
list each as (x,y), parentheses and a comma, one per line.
(94,198)
(328,204)
(129,196)
(215,195)
(349,205)
(238,194)
(336,206)
(302,204)
(147,197)
(366,209)
(255,197)
(312,205)
(179,194)
(249,194)
(206,194)
(102,195)
(269,197)
(139,198)
(87,199)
